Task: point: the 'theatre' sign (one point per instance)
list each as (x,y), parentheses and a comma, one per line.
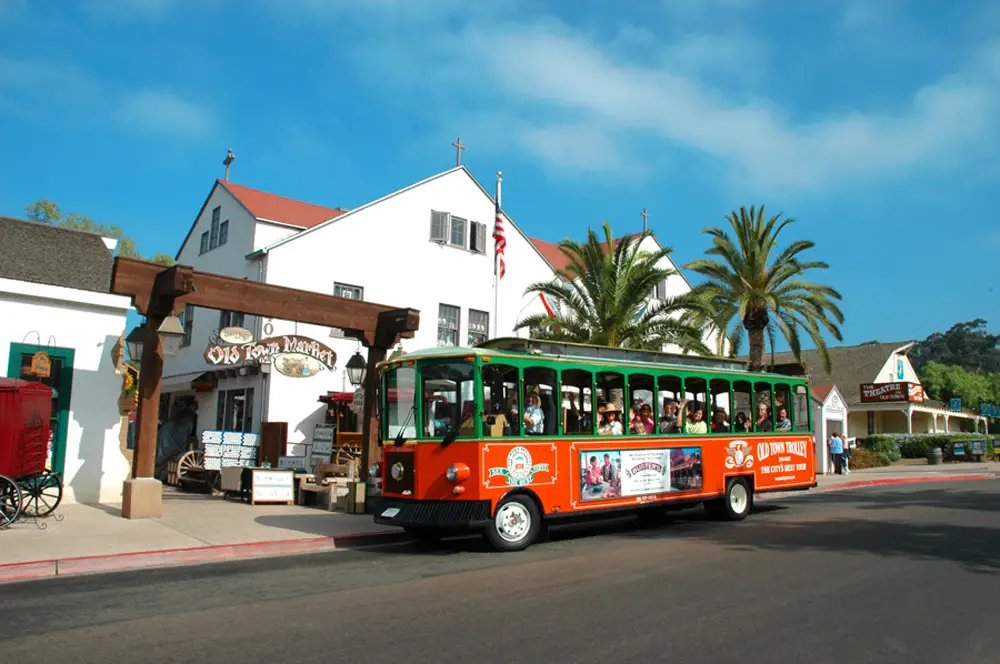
(883,392)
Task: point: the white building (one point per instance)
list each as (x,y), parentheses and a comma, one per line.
(829,416)
(54,298)
(428,247)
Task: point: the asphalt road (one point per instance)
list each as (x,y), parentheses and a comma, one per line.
(901,574)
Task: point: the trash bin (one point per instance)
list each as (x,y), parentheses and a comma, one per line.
(934,455)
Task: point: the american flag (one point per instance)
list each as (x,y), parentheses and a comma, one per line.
(501,241)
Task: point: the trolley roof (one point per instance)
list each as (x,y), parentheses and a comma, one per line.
(514,347)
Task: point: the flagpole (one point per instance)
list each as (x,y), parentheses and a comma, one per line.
(496,262)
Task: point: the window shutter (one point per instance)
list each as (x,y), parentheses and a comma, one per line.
(439,226)
(478,234)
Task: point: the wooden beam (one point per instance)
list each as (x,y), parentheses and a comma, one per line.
(358,319)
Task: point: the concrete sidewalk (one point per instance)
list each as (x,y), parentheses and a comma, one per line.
(193,528)
(199,528)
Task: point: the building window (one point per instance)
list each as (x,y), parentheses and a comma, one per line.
(214,238)
(440,221)
(223,232)
(661,290)
(448,325)
(477,240)
(187,318)
(479,326)
(348,291)
(234,410)
(204,242)
(458,231)
(230,319)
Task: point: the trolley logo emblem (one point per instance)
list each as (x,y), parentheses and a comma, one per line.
(519,470)
(738,455)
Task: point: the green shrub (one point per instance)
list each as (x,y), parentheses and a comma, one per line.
(862,457)
(915,446)
(885,445)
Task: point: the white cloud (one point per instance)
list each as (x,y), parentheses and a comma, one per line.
(577,94)
(35,89)
(158,111)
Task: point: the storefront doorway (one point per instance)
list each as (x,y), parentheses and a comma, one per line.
(60,379)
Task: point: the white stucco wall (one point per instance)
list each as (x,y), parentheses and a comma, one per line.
(833,410)
(267,233)
(889,373)
(398,265)
(228,259)
(89,323)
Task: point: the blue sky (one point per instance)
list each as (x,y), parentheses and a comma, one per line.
(874,123)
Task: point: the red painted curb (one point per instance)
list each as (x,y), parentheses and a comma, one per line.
(854,484)
(115,562)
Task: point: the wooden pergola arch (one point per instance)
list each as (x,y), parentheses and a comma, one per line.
(158,292)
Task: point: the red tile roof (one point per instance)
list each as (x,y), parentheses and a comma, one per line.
(278,208)
(555,256)
(821,392)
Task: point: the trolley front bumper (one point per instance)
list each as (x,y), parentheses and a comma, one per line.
(432,513)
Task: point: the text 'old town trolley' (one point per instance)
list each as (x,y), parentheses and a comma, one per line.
(514,432)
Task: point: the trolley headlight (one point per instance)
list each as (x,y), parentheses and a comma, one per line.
(457,472)
(374,470)
(397,471)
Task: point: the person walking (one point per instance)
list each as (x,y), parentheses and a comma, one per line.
(847,456)
(837,450)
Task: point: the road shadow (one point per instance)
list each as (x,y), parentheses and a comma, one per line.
(881,499)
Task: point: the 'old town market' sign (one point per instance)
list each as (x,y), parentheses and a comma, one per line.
(292,355)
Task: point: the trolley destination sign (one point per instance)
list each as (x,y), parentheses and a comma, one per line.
(291,354)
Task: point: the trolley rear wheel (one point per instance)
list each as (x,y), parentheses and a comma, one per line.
(42,494)
(11,500)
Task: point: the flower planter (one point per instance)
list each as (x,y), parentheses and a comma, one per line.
(127,405)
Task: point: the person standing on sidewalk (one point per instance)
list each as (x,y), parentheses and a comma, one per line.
(837,450)
(847,455)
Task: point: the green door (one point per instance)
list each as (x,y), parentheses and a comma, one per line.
(60,379)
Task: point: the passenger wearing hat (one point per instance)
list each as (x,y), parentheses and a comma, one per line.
(612,425)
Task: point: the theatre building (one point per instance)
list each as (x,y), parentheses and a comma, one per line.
(881,391)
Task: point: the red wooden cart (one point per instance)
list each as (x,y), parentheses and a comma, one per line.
(27,487)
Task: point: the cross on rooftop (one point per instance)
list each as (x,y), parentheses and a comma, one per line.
(645,220)
(458,151)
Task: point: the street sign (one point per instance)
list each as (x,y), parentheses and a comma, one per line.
(955,404)
(989,410)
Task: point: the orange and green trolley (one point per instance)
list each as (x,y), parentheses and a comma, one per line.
(513,434)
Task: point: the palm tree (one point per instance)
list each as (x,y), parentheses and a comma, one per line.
(754,287)
(602,298)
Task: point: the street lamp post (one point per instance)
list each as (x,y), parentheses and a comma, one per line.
(357,368)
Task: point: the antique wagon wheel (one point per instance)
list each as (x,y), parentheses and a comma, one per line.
(190,463)
(347,453)
(10,501)
(42,493)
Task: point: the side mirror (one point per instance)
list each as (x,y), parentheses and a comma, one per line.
(449,437)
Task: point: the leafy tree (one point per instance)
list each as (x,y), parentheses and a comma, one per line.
(968,345)
(752,286)
(603,298)
(944,382)
(48,212)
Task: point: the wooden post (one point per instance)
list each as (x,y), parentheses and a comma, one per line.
(369,423)
(147,419)
(142,495)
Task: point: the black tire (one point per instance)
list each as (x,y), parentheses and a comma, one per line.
(516,524)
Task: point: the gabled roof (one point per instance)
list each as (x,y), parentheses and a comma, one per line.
(556,258)
(820,392)
(45,254)
(348,213)
(271,207)
(851,365)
